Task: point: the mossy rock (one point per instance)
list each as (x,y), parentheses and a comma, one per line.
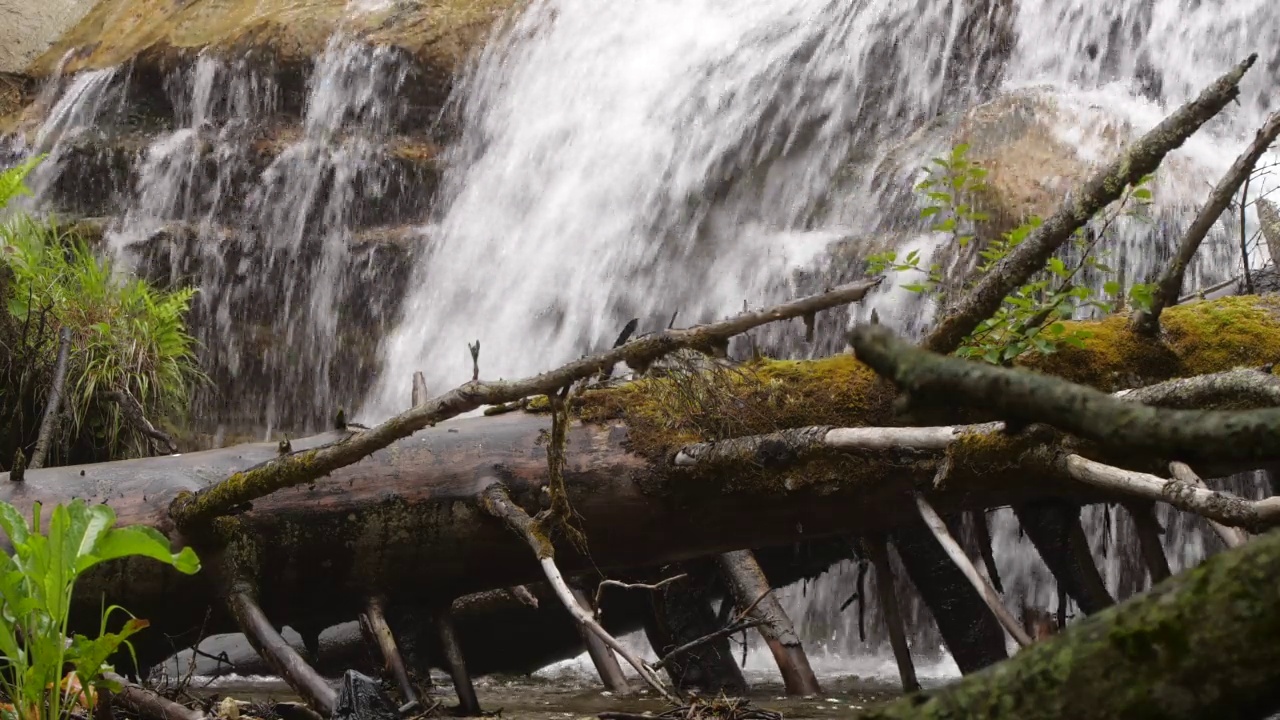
(438,33)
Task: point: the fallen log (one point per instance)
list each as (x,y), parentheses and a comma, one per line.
(411,508)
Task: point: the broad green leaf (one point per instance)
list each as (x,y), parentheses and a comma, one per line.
(15,526)
(144,541)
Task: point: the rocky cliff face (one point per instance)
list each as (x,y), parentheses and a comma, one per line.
(28,28)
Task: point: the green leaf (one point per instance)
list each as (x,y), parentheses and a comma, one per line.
(1142,194)
(930,211)
(146,542)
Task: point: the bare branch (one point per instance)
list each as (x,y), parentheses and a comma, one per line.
(496,502)
(1104,187)
(957,555)
(1233,537)
(1020,396)
(1234,389)
(1170,283)
(633,586)
(1227,509)
(306,466)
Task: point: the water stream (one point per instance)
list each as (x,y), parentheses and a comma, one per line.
(651,158)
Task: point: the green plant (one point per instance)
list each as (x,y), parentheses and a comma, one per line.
(36,585)
(1029,319)
(130,337)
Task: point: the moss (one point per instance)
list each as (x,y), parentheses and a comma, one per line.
(1224,334)
(698,404)
(1152,656)
(1196,338)
(666,412)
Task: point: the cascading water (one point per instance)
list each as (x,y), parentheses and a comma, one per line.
(680,156)
(637,161)
(272,221)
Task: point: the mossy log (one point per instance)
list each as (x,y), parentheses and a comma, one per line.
(1197,645)
(410,510)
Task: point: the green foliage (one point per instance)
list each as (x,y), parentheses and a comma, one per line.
(36,585)
(127,335)
(1030,319)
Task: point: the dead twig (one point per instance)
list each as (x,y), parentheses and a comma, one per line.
(633,586)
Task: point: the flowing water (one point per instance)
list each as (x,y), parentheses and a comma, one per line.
(650,158)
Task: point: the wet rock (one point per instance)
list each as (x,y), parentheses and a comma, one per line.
(362,698)
(282,36)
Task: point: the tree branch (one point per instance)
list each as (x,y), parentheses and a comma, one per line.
(1020,396)
(1233,537)
(1170,283)
(1254,515)
(1104,187)
(47,423)
(136,416)
(306,466)
(988,594)
(497,503)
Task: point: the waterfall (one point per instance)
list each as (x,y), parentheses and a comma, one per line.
(636,159)
(679,157)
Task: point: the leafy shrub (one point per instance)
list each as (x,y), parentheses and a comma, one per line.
(127,336)
(1030,319)
(36,585)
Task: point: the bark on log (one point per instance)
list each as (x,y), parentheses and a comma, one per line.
(1194,646)
(410,506)
(751,588)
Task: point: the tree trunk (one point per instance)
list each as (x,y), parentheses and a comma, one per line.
(410,511)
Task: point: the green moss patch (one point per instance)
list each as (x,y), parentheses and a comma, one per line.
(698,402)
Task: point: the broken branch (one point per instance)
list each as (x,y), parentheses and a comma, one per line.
(496,502)
(302,467)
(1233,537)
